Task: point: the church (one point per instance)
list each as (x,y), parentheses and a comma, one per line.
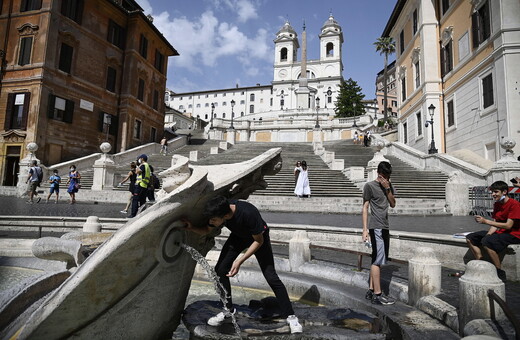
(301,89)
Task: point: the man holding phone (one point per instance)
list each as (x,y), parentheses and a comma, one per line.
(378,195)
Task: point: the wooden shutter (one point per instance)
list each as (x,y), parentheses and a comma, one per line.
(475,29)
(69,110)
(50,106)
(9,111)
(79,11)
(25,114)
(100,121)
(114,126)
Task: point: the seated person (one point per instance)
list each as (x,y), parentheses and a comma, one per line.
(503,231)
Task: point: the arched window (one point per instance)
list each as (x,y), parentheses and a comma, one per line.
(206,116)
(330,49)
(242,114)
(252,97)
(181,107)
(251,109)
(283,54)
(224,115)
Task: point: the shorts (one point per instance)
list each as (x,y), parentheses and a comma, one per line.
(33,187)
(54,190)
(496,242)
(380,239)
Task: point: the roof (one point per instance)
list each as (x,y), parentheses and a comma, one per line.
(393,17)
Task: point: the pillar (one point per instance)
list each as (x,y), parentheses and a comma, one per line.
(424,275)
(104,170)
(299,250)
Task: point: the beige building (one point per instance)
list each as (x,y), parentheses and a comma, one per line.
(463,58)
(76,73)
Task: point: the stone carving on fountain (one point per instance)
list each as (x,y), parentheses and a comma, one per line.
(135,284)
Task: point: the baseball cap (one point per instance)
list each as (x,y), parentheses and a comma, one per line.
(143,156)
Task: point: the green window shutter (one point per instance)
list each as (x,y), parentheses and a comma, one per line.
(69,110)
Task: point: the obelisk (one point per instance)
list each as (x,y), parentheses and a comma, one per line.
(302,93)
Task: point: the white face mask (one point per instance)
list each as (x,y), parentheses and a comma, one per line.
(72,169)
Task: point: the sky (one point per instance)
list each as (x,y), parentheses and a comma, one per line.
(227,42)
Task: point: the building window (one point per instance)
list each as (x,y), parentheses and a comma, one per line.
(108,121)
(24,57)
(60,109)
(445,6)
(251,109)
(242,102)
(17,111)
(446,59)
(417,75)
(283,54)
(140,90)
(206,116)
(394,103)
(159,61)
(143,46)
(206,105)
(137,129)
(487,91)
(329,99)
(198,105)
(190,106)
(65,62)
(405,133)
(415,21)
(153,134)
(155,103)
(181,107)
(223,115)
(330,49)
(72,9)
(451,113)
(419,123)
(116,34)
(30,5)
(403,89)
(215,95)
(252,97)
(480,25)
(111,79)
(401,42)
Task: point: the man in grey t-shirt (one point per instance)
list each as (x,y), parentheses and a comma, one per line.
(378,195)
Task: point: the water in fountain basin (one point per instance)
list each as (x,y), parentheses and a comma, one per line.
(212,275)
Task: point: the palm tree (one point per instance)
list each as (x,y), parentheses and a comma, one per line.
(386,46)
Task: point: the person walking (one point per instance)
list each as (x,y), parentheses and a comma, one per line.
(34,179)
(141,184)
(297,170)
(132,177)
(378,195)
(164,146)
(303,188)
(249,232)
(73,183)
(55,181)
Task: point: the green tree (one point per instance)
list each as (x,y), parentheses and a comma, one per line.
(349,99)
(386,46)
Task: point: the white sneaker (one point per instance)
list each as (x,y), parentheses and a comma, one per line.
(295,326)
(221,318)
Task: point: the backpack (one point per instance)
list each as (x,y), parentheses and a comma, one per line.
(39,173)
(154,181)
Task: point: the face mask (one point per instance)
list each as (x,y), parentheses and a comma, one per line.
(502,198)
(72,169)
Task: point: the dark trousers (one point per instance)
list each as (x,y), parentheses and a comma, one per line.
(264,255)
(138,199)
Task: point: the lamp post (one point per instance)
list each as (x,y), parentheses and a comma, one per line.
(431,110)
(317,126)
(212,109)
(232,113)
(354,105)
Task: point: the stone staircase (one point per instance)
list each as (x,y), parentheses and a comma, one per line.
(408,181)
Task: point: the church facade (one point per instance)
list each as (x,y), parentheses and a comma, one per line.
(279,99)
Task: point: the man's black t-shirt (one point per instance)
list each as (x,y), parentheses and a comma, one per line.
(246,220)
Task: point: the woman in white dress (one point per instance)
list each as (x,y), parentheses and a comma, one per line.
(302,185)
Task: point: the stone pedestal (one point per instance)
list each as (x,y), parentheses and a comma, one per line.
(104,170)
(92,225)
(355,173)
(316,136)
(24,166)
(299,250)
(194,156)
(480,276)
(457,198)
(223,145)
(507,166)
(213,150)
(424,275)
(231,136)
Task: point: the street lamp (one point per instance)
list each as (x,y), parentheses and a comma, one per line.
(232,113)
(431,110)
(354,125)
(212,109)
(317,126)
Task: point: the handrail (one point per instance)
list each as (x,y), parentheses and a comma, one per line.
(508,312)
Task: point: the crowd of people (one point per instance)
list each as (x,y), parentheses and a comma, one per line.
(362,138)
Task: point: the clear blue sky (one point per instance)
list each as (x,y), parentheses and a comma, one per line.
(225,42)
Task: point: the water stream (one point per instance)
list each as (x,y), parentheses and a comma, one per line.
(212,275)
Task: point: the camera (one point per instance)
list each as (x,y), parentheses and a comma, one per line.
(514,181)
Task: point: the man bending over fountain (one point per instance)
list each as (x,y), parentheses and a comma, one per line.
(248,232)
(378,195)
